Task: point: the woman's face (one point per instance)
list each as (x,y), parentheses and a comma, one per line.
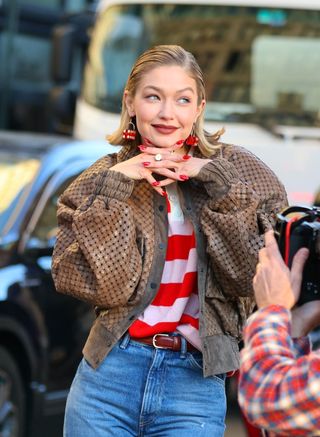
(165,105)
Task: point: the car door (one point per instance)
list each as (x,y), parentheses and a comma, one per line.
(66,321)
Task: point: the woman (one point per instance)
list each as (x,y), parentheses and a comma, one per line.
(162,238)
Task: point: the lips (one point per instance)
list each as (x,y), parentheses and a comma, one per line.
(164,129)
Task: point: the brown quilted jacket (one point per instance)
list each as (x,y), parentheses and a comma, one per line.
(112,237)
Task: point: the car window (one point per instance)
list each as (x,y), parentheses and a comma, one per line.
(46,228)
(15,175)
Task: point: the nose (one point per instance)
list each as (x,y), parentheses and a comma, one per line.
(166,110)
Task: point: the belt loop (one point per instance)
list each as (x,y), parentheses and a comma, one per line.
(124,341)
(183,350)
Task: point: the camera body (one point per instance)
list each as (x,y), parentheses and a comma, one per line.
(297,227)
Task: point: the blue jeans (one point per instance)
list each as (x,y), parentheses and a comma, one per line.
(141,391)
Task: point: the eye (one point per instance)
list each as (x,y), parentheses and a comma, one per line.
(152,97)
(184,100)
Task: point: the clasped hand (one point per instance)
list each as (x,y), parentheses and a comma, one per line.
(174,165)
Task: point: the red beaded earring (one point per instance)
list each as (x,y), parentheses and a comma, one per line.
(192,139)
(130,133)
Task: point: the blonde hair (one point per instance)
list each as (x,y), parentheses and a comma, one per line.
(158,56)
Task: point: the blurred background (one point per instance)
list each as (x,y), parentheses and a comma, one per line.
(63,67)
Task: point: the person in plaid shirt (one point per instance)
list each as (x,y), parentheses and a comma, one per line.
(279,385)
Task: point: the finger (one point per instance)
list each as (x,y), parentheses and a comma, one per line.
(166,182)
(269,238)
(308,316)
(270,241)
(263,255)
(147,175)
(298,263)
(170,174)
(150,162)
(167,173)
(271,245)
(166,163)
(173,157)
(313,314)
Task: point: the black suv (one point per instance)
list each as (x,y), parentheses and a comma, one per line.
(41,332)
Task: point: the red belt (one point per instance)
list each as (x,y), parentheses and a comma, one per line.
(166,341)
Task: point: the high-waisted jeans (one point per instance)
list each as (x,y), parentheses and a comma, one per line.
(145,392)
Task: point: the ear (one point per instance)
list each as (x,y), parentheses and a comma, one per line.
(201,107)
(128,100)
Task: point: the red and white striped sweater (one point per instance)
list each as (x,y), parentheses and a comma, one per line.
(176,305)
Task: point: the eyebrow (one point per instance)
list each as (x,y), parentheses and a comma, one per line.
(178,92)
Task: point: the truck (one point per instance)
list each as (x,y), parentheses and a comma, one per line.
(260,60)
(26,44)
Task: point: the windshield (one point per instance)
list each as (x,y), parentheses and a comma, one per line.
(260,64)
(15,175)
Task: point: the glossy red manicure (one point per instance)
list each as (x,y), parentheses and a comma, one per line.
(164,193)
(179,142)
(155,184)
(184,177)
(146,163)
(186,157)
(142,148)
(147,141)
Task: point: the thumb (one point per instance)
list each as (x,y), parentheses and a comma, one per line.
(271,245)
(298,263)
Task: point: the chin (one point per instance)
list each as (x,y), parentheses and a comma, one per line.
(165,142)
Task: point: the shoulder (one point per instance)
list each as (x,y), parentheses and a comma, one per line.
(252,170)
(246,162)
(232,152)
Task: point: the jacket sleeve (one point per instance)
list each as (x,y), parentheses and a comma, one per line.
(96,258)
(278,384)
(245,196)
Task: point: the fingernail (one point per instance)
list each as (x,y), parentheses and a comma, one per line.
(184,177)
(186,157)
(147,141)
(180,142)
(163,193)
(155,184)
(146,163)
(142,147)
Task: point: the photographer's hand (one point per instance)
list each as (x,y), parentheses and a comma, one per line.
(305,318)
(274,283)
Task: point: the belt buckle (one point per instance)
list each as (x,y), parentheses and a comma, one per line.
(154,341)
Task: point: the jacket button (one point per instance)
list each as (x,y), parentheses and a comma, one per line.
(161,208)
(153,285)
(161,246)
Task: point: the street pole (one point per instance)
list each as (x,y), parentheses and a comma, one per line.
(11,13)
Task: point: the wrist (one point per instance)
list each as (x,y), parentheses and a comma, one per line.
(218,170)
(277,303)
(114,184)
(116,167)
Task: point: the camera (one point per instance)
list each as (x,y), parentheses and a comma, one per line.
(297,227)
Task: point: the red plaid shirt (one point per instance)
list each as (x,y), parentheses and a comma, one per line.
(279,386)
